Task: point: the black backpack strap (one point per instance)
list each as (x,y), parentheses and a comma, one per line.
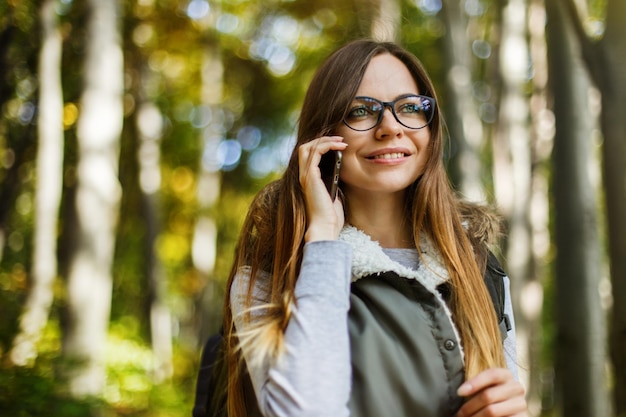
(204,383)
(494,280)
(212,383)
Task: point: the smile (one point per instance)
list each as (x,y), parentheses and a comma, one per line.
(394,155)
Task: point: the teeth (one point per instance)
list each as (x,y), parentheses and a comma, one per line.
(394,155)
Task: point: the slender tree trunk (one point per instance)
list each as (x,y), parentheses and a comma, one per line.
(97,200)
(386,20)
(48,191)
(149,127)
(614,156)
(9,185)
(606,60)
(611,79)
(541,393)
(513,181)
(580,323)
(463,121)
(204,246)
(6,40)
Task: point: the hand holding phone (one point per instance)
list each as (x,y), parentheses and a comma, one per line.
(330,166)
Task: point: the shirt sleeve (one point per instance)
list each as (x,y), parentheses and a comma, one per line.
(313,375)
(510,343)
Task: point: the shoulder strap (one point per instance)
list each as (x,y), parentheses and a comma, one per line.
(205,383)
(212,383)
(494,280)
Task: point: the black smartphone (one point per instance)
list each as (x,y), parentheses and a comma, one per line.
(330,165)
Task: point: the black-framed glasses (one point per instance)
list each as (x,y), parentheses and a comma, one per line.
(411,110)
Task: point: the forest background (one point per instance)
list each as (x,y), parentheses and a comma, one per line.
(133,134)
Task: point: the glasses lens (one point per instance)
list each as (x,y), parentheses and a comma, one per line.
(364,113)
(414,111)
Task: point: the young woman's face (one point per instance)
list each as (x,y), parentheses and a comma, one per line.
(389,157)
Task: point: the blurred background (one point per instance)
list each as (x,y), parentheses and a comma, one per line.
(134,133)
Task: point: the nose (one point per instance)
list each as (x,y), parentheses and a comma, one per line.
(388,127)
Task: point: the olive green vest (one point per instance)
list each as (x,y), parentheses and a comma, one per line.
(406,360)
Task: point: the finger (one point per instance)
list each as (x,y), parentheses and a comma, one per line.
(324,219)
(505,399)
(317,147)
(483,380)
(310,155)
(514,406)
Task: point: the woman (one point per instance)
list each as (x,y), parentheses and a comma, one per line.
(373,304)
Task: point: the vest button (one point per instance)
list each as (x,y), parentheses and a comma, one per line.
(449,344)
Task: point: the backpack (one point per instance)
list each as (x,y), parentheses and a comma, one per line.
(211,385)
(494,280)
(207,391)
(212,382)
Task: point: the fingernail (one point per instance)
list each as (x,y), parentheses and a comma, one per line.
(464,389)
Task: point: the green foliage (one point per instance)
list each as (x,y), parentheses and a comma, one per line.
(39,391)
(131,389)
(11,299)
(32,392)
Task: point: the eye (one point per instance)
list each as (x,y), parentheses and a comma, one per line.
(358,112)
(364,109)
(409,108)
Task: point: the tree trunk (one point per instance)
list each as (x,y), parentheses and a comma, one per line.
(48,191)
(580,337)
(386,20)
(611,79)
(463,121)
(7,32)
(97,200)
(209,306)
(149,128)
(10,183)
(541,392)
(513,182)
(606,60)
(614,155)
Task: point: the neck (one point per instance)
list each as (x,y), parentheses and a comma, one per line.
(382,217)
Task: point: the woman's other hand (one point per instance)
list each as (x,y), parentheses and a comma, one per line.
(324,218)
(493,393)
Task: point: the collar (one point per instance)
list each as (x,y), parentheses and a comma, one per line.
(370,259)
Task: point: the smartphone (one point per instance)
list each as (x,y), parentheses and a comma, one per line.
(330,166)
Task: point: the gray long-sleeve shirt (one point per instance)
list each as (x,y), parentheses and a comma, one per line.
(313,376)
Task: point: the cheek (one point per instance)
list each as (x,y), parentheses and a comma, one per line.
(424,149)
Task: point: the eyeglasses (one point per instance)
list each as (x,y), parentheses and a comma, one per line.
(412,111)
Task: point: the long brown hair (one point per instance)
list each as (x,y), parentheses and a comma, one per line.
(272,237)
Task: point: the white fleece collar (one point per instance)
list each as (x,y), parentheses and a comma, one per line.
(369,259)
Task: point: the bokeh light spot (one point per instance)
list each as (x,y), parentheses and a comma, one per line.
(229,154)
(198,9)
(70,115)
(482,49)
(249,137)
(181,179)
(227,23)
(429,7)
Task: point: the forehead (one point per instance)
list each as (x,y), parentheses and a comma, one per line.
(385,78)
